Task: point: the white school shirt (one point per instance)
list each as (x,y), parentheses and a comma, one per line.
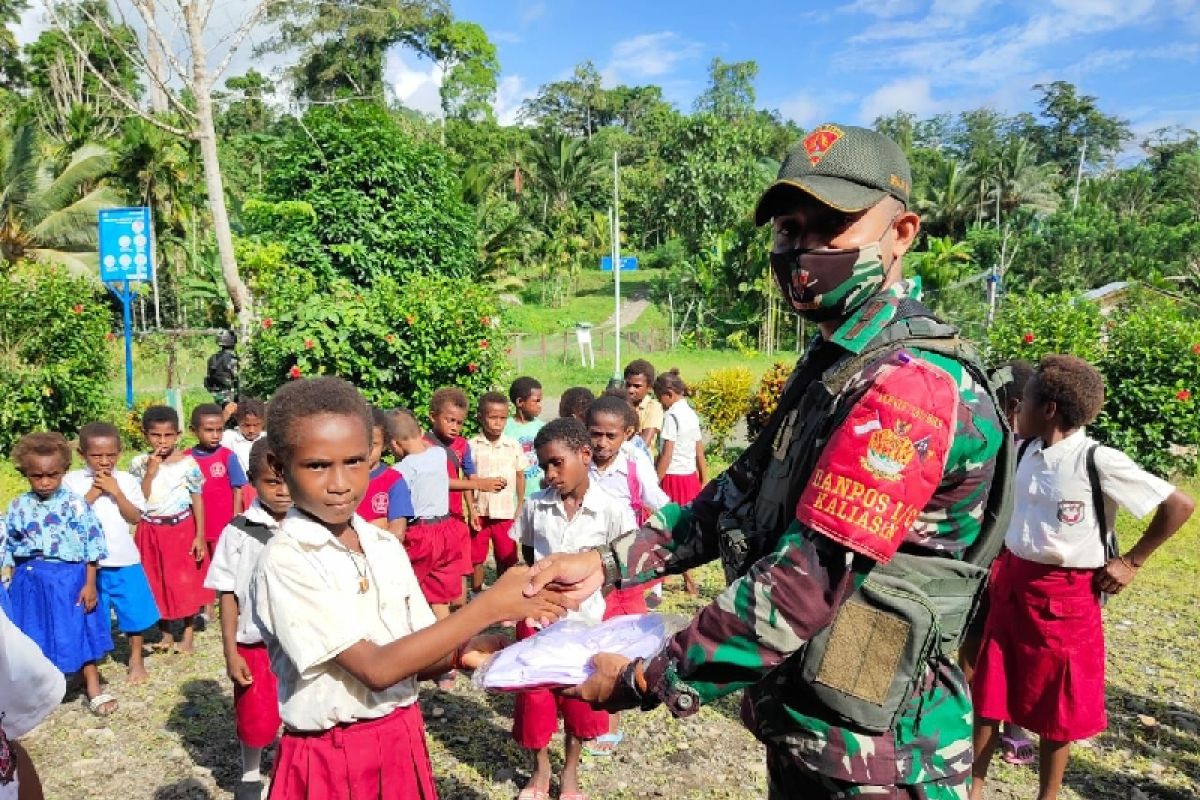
(233,565)
(615,478)
(543,525)
(681,426)
(428,478)
(240,445)
(1053,518)
(308,604)
(122,552)
(30,688)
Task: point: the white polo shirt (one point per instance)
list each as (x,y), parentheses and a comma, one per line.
(122,552)
(234,562)
(1053,517)
(600,518)
(615,478)
(308,603)
(682,427)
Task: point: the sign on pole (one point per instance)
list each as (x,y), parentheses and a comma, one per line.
(628,264)
(126,255)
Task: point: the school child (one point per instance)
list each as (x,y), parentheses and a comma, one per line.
(387,502)
(223,481)
(53,543)
(447,411)
(30,689)
(1041,663)
(575,401)
(1016,747)
(525,393)
(573,513)
(117,501)
(170,535)
(496,456)
(345,623)
(639,380)
(249,418)
(231,574)
(681,466)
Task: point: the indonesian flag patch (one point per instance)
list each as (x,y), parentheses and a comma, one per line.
(881,467)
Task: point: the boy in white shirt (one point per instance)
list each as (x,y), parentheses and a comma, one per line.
(117,501)
(570,515)
(231,575)
(1041,661)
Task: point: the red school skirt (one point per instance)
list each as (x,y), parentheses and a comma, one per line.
(682,489)
(1041,661)
(375,759)
(176,578)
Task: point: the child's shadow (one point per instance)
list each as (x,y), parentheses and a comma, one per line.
(186,789)
(204,723)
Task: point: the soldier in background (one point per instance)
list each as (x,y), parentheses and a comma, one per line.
(220,377)
(855,531)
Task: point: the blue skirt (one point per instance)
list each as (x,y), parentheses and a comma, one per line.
(43,595)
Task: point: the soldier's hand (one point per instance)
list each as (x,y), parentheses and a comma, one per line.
(600,687)
(576,575)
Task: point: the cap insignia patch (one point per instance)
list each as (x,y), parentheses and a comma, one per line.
(817,143)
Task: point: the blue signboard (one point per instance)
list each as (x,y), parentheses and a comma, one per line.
(126,250)
(628,263)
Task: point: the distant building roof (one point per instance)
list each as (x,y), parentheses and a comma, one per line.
(1107,291)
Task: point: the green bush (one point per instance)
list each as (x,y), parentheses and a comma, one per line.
(721,398)
(1030,326)
(396,341)
(1151,367)
(766,399)
(56,364)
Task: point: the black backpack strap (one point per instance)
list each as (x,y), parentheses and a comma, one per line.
(1021,450)
(255,530)
(453,456)
(1106,537)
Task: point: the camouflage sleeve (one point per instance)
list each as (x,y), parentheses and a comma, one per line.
(673,540)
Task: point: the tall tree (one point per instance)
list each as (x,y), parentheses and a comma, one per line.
(574,107)
(469,68)
(730,91)
(12,71)
(1073,119)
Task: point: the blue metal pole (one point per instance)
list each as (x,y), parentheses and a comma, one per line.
(127,307)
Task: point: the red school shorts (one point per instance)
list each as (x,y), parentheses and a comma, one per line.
(459,546)
(1041,661)
(536,713)
(369,760)
(256,707)
(436,556)
(495,533)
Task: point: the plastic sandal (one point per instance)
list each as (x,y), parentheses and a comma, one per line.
(1011,748)
(530,793)
(608,738)
(96,704)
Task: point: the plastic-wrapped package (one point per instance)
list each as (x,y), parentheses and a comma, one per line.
(561,654)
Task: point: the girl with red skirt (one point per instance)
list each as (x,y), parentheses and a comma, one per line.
(682,470)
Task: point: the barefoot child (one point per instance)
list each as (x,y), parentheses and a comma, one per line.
(496,456)
(1041,663)
(681,465)
(170,535)
(255,696)
(346,626)
(116,499)
(570,515)
(387,503)
(223,479)
(54,543)
(526,396)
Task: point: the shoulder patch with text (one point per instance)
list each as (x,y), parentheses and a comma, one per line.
(882,466)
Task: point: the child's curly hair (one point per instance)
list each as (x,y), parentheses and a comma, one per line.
(41,443)
(1074,386)
(301,400)
(567,430)
(448,396)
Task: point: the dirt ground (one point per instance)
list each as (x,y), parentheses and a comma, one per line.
(173,737)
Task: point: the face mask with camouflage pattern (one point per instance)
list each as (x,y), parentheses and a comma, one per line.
(824,284)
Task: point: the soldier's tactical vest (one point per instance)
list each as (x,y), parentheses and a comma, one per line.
(861,670)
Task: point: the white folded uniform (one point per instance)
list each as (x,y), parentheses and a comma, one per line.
(561,654)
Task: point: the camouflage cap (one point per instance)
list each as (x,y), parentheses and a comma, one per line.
(842,166)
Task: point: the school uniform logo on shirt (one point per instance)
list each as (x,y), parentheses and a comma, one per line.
(217,470)
(379,503)
(1070,512)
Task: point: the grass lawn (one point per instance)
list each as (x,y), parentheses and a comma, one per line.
(592,302)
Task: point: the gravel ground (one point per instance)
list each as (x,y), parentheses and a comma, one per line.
(173,738)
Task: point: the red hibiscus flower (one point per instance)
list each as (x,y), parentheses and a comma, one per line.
(390,338)
(1183,395)
(294,373)
(486,321)
(267,322)
(309,344)
(472,367)
(110,336)
(483,344)
(410,319)
(1027,338)
(1196,349)
(78,308)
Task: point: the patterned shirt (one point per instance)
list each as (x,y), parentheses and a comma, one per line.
(61,527)
(173,486)
(502,458)
(525,433)
(764,618)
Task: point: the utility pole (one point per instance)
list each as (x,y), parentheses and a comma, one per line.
(616,263)
(1079,175)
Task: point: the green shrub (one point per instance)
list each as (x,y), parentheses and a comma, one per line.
(396,341)
(766,399)
(1030,326)
(56,364)
(721,398)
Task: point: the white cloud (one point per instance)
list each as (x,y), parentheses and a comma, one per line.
(884,9)
(803,110)
(414,85)
(913,95)
(511,92)
(531,11)
(650,55)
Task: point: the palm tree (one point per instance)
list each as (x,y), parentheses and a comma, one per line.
(942,263)
(51,216)
(949,200)
(1018,181)
(561,168)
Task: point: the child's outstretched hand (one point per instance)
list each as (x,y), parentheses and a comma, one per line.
(476,651)
(87,598)
(507,601)
(238,670)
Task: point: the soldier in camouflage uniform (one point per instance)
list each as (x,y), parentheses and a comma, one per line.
(874,475)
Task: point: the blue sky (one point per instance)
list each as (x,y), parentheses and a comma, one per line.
(853,60)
